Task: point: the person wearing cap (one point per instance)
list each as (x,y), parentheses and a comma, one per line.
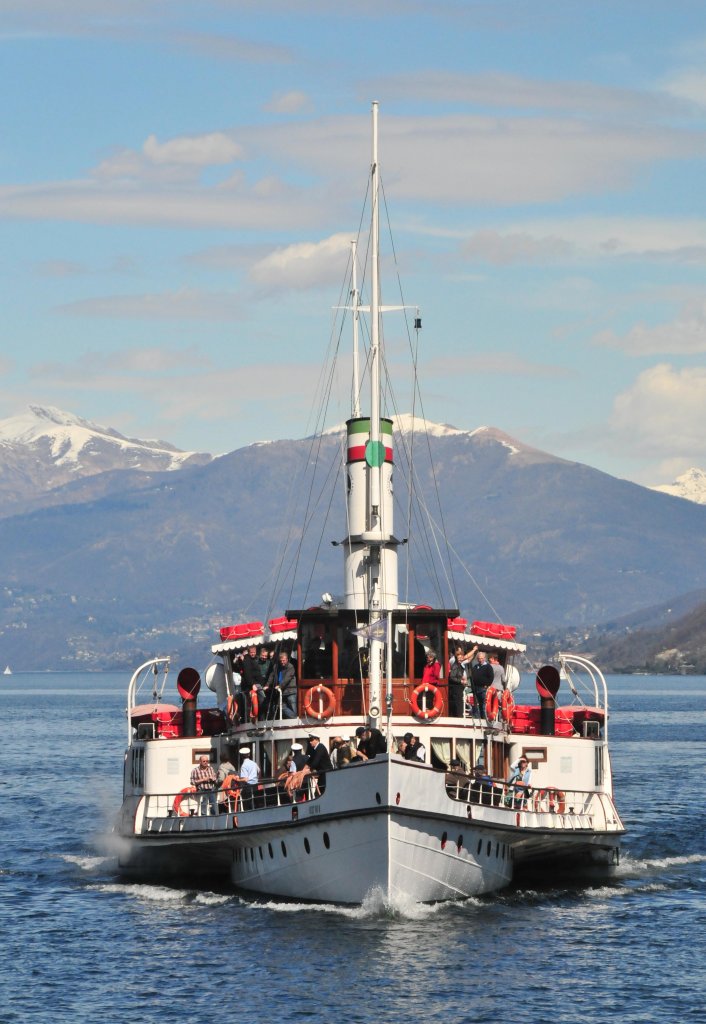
(319,758)
(457,783)
(299,758)
(319,761)
(203,779)
(412,748)
(371,742)
(249,775)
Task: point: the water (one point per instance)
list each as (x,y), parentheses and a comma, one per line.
(80,945)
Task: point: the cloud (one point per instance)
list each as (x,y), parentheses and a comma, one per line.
(663,415)
(288,103)
(503,248)
(688,85)
(231,48)
(183,304)
(685,335)
(197,150)
(498,90)
(304,265)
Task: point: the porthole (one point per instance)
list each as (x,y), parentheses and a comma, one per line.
(497,850)
(270,851)
(490,847)
(480,845)
(262,856)
(284,849)
(327,841)
(444,837)
(307,846)
(378,798)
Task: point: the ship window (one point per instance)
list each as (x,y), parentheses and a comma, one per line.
(307,846)
(316,651)
(480,845)
(262,856)
(284,849)
(440,753)
(464,752)
(270,851)
(490,847)
(327,841)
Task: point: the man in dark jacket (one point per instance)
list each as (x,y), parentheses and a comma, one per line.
(371,742)
(481,678)
(319,760)
(287,681)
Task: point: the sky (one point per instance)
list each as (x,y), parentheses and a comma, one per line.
(180,181)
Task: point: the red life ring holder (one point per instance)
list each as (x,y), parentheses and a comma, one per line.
(325,700)
(176,807)
(254,704)
(435,709)
(492,703)
(507,706)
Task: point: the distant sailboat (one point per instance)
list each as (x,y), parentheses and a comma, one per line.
(8,671)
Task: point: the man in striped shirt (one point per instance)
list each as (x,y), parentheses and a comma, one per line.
(203,778)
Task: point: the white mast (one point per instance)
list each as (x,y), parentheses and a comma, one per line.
(356,313)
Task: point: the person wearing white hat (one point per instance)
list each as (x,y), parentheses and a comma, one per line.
(299,758)
(249,775)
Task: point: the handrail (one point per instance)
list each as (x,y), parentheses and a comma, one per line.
(567,659)
(153,664)
(540,800)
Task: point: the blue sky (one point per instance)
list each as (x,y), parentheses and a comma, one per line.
(179,182)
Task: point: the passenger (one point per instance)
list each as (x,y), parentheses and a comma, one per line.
(481,679)
(298,770)
(499,675)
(345,755)
(481,786)
(264,666)
(432,669)
(457,783)
(371,742)
(249,776)
(414,750)
(519,783)
(457,682)
(336,744)
(225,767)
(287,682)
(203,778)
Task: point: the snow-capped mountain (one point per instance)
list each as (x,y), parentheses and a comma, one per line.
(690,485)
(45,447)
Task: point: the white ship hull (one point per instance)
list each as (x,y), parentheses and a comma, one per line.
(359,840)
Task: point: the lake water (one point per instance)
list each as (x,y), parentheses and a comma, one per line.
(80,945)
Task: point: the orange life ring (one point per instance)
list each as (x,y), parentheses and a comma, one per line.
(325,700)
(176,806)
(556,800)
(254,704)
(507,705)
(435,709)
(492,703)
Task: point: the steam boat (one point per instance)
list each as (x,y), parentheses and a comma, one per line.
(444,815)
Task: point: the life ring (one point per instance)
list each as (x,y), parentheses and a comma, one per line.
(435,709)
(492,703)
(230,789)
(254,704)
(325,701)
(176,806)
(557,800)
(507,705)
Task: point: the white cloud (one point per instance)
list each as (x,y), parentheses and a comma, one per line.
(288,103)
(198,150)
(663,415)
(183,304)
(685,335)
(505,247)
(688,85)
(304,265)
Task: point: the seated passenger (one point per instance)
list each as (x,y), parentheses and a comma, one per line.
(519,788)
(457,783)
(481,786)
(412,749)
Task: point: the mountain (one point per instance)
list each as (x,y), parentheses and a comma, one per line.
(155,562)
(45,448)
(690,485)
